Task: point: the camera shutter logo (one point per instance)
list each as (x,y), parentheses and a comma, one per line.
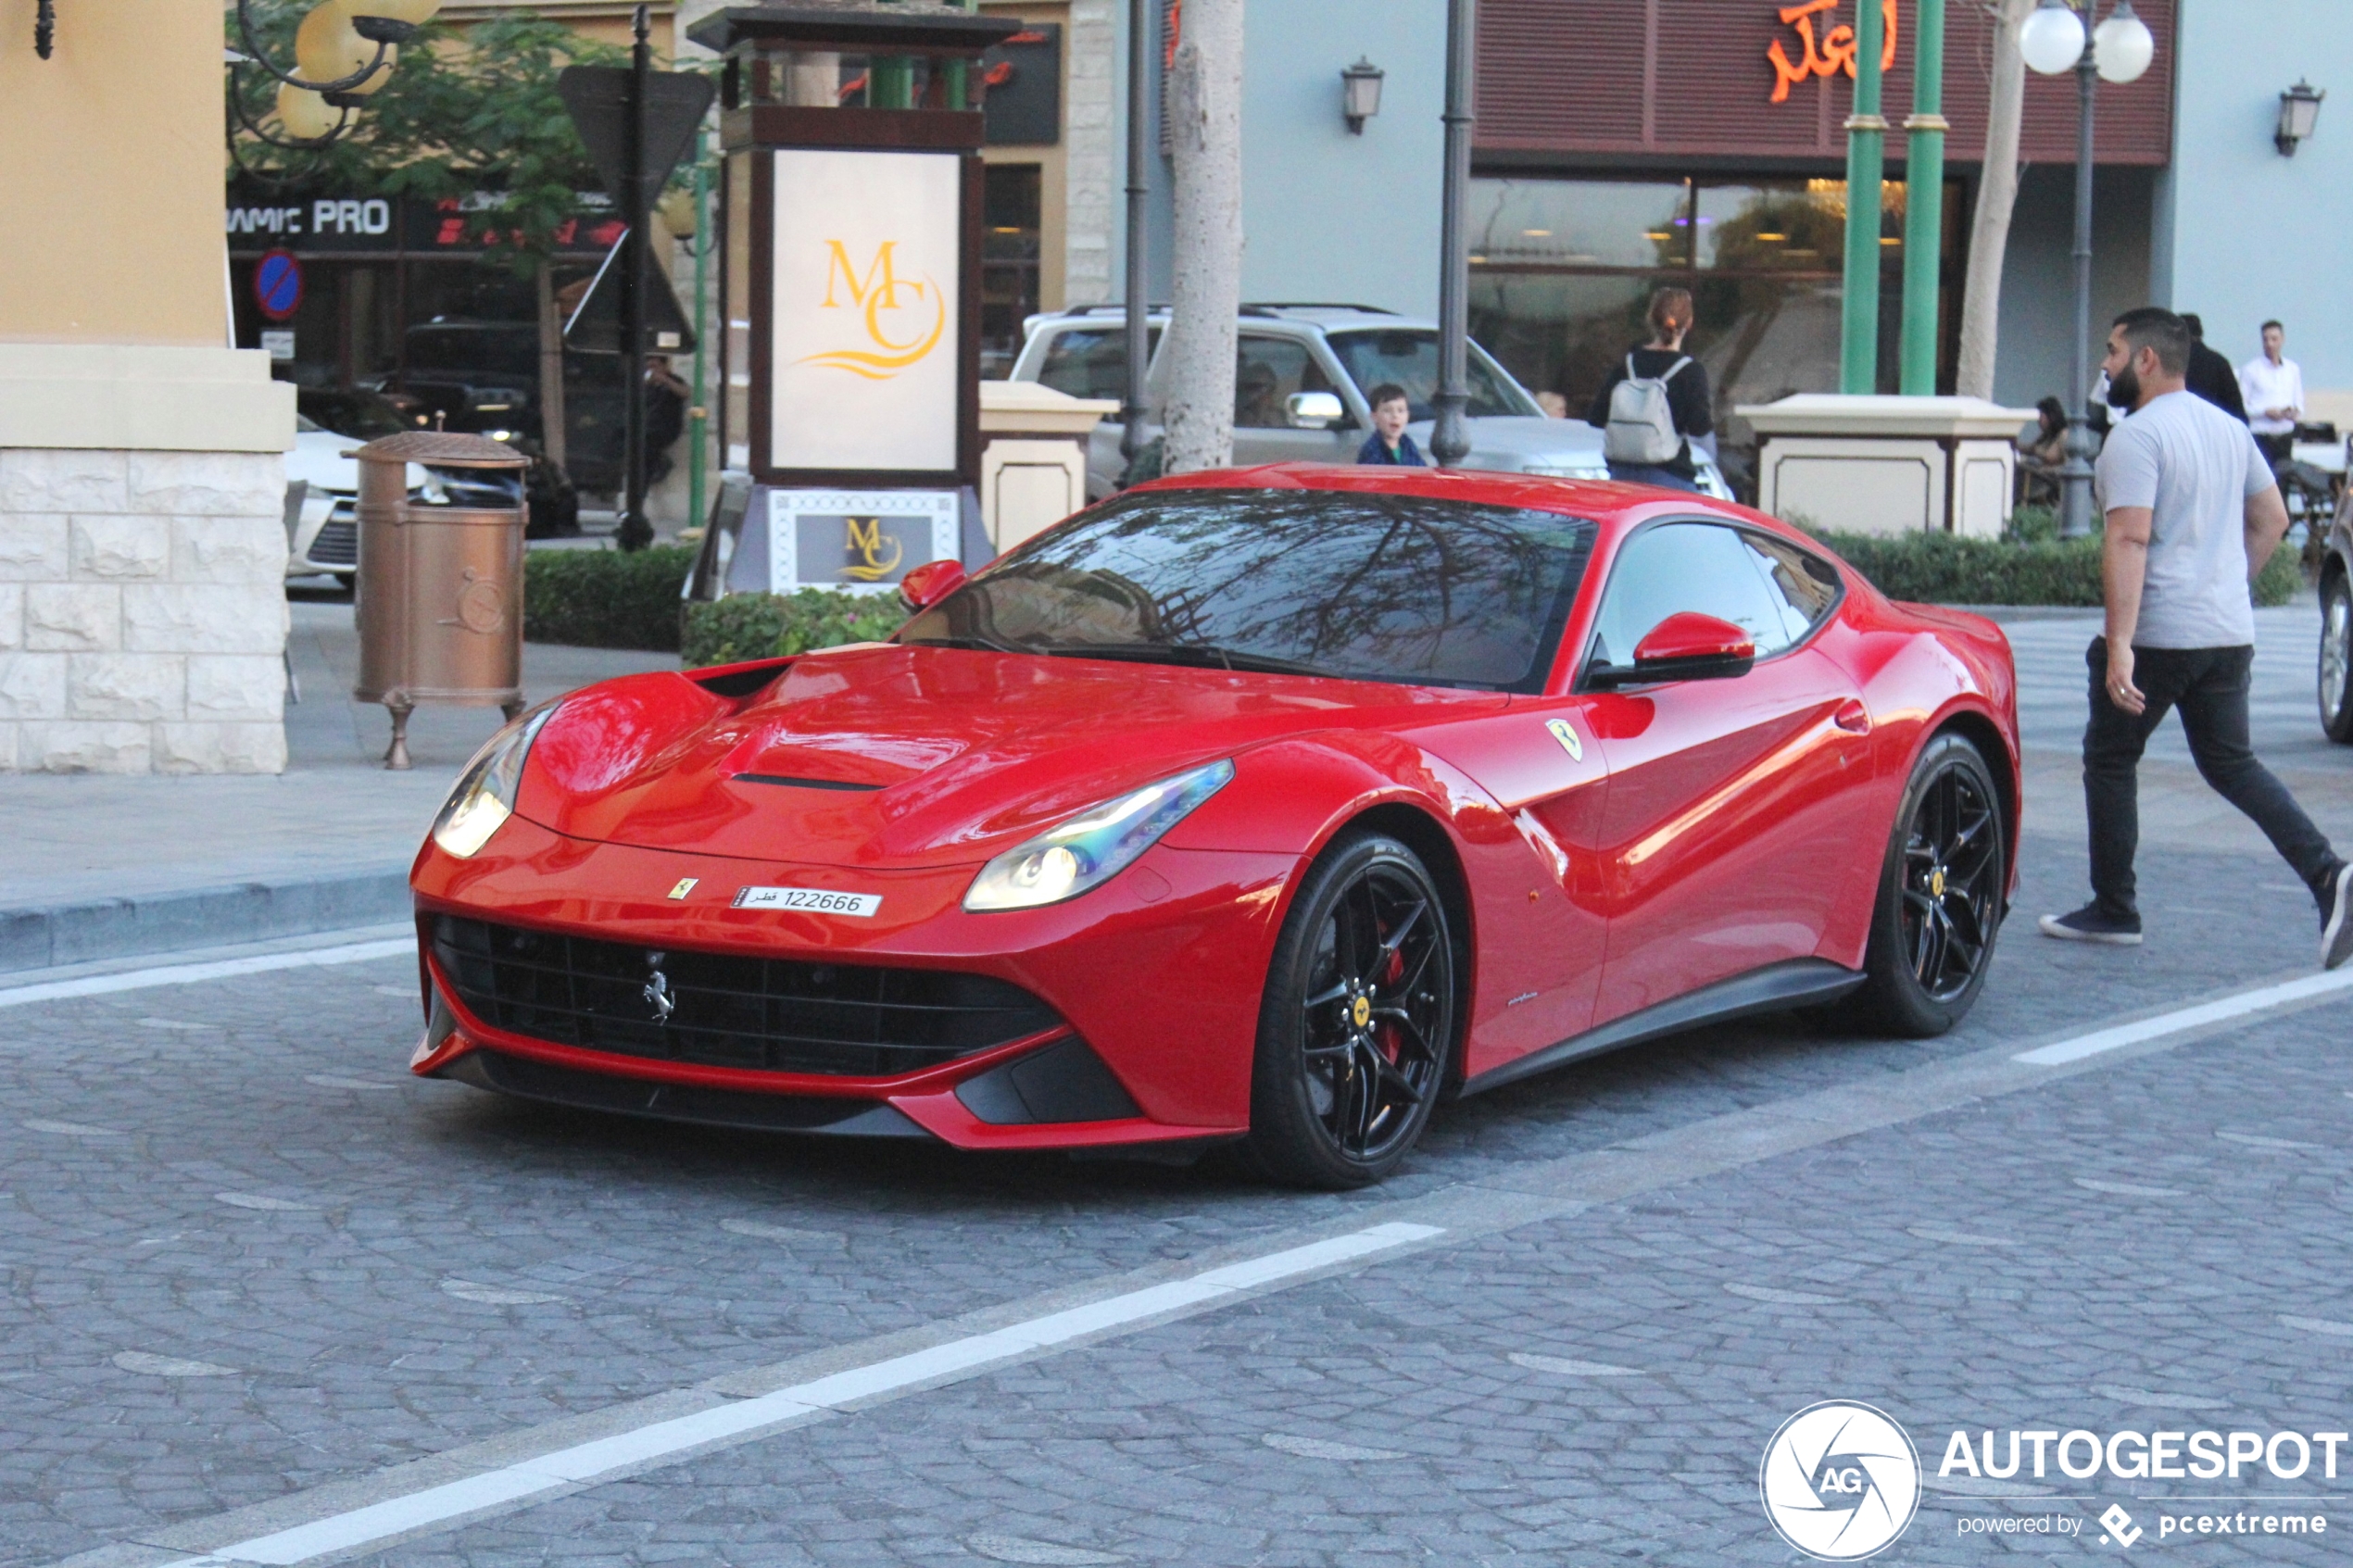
(1840,1481)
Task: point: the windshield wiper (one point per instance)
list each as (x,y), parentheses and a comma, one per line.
(987,645)
(1199,654)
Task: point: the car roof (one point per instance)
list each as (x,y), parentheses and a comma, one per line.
(1328,317)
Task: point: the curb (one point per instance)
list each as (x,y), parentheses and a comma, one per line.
(53,935)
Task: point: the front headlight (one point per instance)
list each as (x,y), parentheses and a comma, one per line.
(485,793)
(1093,847)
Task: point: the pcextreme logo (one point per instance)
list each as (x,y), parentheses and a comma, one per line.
(1841,1480)
(881,303)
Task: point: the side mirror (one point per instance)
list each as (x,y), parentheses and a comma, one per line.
(1315,410)
(926,586)
(1685,647)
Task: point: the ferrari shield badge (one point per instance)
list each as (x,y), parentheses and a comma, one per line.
(1565,733)
(686,885)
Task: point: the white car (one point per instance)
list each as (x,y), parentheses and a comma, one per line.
(1302,374)
(322,529)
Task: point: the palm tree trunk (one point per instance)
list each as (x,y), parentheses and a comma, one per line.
(1997,193)
(1205,115)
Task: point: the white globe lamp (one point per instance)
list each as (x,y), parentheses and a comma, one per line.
(2052,39)
(2121,47)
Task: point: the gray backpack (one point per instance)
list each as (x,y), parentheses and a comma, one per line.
(1642,424)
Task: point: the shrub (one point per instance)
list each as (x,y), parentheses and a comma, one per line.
(605,598)
(748,626)
(1942,568)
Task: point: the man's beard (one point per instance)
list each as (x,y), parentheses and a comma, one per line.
(2124,389)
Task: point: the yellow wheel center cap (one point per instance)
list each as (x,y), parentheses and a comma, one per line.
(1362,1011)
(1936,883)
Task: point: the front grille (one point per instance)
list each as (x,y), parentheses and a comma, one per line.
(337,543)
(780,1015)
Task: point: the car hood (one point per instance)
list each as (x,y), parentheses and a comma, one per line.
(1512,443)
(911,756)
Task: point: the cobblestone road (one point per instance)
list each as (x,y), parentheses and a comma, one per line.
(245,1258)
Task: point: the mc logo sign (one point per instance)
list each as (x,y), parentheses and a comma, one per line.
(879,301)
(865,258)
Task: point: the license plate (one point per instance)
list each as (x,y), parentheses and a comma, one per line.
(815,900)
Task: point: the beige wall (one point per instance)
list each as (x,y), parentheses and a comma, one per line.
(110,174)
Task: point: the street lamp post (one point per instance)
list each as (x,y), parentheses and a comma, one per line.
(1139,57)
(1450,439)
(2054,41)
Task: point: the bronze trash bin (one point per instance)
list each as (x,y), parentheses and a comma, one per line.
(440,596)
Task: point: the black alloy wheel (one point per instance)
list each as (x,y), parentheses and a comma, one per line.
(2336,658)
(1941,895)
(1358,1020)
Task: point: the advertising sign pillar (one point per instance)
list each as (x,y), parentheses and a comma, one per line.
(850,215)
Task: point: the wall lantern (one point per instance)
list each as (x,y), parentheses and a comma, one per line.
(1360,94)
(2299,111)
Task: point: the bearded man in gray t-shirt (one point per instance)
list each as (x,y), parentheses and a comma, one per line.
(2192,514)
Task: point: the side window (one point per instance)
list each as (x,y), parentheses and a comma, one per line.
(1801,588)
(1678,567)
(1091,361)
(1266,371)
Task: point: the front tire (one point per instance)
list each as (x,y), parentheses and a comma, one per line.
(2337,659)
(1357,1024)
(1940,898)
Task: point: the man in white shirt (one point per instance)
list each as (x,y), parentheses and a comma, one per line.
(2272,387)
(2193,514)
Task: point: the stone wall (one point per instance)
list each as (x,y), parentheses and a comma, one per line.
(142,613)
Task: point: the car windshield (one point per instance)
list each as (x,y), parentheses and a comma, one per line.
(1352,585)
(1408,355)
(362,415)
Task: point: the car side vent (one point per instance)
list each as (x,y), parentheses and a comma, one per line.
(792,783)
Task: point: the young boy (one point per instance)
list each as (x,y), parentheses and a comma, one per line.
(1389,443)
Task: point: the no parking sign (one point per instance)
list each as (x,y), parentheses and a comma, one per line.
(277,285)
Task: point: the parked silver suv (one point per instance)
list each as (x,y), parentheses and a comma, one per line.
(1301,376)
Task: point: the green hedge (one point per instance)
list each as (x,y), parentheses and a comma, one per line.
(1942,568)
(605,598)
(747,626)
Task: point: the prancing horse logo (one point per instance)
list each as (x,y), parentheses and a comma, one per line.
(658,993)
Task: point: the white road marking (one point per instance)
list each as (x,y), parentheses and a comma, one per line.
(170,1366)
(1958,1238)
(2185,1018)
(189,974)
(1319,1447)
(2252,1141)
(1567,1368)
(175,1023)
(2321,1325)
(496,1295)
(1047,1554)
(1783,1298)
(69,1129)
(663,1440)
(2145,1398)
(267,1204)
(2124,1189)
(766,1232)
(336,1081)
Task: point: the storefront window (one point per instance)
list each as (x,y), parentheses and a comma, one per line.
(1009,263)
(1562,273)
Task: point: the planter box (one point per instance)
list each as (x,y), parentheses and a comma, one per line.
(1888,465)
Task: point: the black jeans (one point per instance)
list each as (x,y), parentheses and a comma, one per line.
(2210,686)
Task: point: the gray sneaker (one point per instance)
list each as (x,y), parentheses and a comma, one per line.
(2090,924)
(2336,931)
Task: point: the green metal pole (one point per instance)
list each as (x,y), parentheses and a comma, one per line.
(1924,202)
(1866,159)
(699,417)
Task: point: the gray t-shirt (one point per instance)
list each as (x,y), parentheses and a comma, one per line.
(2194,467)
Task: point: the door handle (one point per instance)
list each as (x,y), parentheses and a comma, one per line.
(1853,716)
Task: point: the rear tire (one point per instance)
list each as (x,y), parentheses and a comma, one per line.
(1357,1025)
(1939,897)
(2337,659)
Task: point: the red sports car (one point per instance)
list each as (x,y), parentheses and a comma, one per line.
(1274,805)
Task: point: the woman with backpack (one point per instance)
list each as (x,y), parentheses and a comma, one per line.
(1655,401)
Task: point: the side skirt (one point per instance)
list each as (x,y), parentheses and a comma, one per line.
(1798,983)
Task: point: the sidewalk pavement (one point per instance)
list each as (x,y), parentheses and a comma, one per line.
(104,866)
(101,867)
